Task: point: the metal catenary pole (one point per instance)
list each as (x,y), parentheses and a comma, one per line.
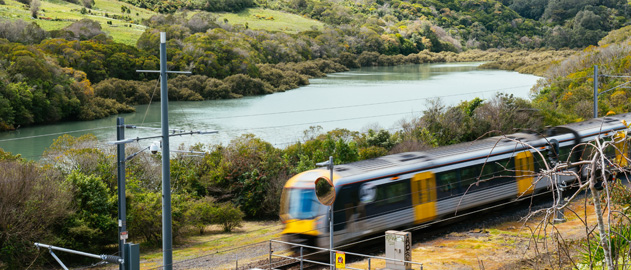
(166,165)
(167,238)
(122,212)
(595,91)
(332,257)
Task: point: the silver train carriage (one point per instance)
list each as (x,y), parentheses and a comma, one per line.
(412,188)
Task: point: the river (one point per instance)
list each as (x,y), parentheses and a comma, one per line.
(370,97)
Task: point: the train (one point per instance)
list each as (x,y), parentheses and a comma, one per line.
(412,188)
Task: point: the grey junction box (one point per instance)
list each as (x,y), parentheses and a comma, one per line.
(398,247)
(132,256)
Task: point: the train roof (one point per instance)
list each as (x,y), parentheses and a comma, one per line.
(597,124)
(496,143)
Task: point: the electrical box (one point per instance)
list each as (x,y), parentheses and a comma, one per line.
(132,256)
(398,247)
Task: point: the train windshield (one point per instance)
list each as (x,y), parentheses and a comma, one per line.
(302,203)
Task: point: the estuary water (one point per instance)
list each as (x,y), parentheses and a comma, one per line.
(370,97)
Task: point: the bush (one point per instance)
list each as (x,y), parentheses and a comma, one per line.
(593,254)
(243,85)
(201,213)
(145,215)
(228,216)
(34,201)
(93,224)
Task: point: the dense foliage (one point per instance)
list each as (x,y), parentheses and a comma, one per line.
(566,94)
(34,89)
(474,24)
(206,5)
(232,61)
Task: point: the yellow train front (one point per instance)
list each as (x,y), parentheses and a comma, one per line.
(406,189)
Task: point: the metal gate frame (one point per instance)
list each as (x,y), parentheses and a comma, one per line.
(301,259)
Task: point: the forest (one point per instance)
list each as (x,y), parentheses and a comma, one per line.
(80,73)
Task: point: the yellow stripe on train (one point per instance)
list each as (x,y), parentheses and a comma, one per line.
(301,226)
(524,170)
(424,196)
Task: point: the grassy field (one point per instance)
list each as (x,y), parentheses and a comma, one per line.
(271,20)
(215,242)
(57,14)
(120,30)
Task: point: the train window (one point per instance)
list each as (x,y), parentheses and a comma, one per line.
(303,203)
(393,196)
(488,170)
(367,193)
(564,153)
(539,161)
(610,151)
(392,193)
(447,183)
(504,168)
(469,176)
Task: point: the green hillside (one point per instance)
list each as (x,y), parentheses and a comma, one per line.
(127,27)
(57,14)
(270,20)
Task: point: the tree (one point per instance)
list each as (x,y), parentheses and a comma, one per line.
(87,3)
(34,7)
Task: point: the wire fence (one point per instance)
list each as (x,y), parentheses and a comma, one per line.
(241,257)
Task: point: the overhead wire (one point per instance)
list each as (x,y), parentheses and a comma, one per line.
(337,210)
(151,99)
(282,112)
(417,227)
(53,134)
(366,104)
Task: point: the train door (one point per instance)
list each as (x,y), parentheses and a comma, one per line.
(524,170)
(621,148)
(424,196)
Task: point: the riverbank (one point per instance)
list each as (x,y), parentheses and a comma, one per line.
(369,97)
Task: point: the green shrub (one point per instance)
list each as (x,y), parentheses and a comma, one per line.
(201,213)
(93,224)
(228,216)
(593,254)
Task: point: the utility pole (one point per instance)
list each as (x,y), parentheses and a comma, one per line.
(595,91)
(122,212)
(167,238)
(326,196)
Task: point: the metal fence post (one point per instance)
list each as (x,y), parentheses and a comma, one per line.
(300,258)
(368,263)
(270,255)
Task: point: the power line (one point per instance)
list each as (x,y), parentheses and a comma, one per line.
(284,112)
(287,112)
(319,122)
(53,134)
(367,104)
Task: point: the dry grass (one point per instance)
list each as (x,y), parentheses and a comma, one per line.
(215,241)
(510,245)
